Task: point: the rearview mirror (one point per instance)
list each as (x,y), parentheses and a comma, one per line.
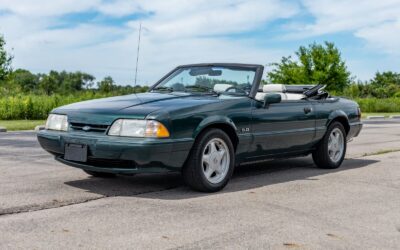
(271,98)
(205,71)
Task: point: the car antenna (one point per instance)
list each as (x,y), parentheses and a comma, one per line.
(137,57)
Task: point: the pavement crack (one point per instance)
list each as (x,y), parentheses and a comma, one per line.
(381,152)
(59,204)
(44,206)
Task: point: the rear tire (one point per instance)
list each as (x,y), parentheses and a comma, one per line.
(211,162)
(331,150)
(99,174)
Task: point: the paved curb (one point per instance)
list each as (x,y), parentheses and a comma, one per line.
(2,129)
(376,117)
(39,127)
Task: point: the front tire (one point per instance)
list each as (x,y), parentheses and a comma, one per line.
(211,162)
(99,174)
(331,150)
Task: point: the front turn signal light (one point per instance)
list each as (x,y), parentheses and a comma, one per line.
(156,129)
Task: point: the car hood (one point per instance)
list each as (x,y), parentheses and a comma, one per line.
(133,106)
(118,102)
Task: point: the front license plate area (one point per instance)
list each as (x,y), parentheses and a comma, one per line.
(75,152)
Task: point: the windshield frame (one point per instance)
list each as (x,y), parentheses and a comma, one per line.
(254,67)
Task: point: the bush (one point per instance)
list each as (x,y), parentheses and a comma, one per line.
(36,107)
(375,105)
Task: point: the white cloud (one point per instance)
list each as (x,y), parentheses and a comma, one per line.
(175,32)
(216,18)
(46,8)
(119,8)
(179,31)
(385,36)
(375,21)
(347,15)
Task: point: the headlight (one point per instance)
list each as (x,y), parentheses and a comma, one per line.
(57,122)
(138,128)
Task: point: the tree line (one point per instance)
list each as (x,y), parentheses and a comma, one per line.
(22,81)
(63,83)
(323,64)
(312,64)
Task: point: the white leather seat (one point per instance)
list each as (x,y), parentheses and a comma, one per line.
(272,88)
(294,96)
(279,89)
(221,87)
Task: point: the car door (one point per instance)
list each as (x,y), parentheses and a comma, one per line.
(288,126)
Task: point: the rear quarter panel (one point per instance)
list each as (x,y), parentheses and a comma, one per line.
(331,108)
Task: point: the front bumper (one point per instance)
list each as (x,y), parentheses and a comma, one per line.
(119,154)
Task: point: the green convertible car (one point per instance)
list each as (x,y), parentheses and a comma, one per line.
(202,120)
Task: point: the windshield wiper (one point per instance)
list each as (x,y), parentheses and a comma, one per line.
(164,88)
(201,88)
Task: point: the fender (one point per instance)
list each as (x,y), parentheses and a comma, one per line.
(336,114)
(215,119)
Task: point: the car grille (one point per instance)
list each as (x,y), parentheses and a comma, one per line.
(89,127)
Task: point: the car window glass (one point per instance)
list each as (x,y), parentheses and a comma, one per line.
(218,79)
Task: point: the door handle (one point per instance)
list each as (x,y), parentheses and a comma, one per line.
(307,110)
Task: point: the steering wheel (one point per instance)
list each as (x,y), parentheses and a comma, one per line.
(236,90)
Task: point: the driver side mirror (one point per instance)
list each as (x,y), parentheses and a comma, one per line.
(271,98)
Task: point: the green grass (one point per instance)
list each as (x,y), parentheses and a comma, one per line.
(364,115)
(14,125)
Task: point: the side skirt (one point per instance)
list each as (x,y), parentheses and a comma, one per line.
(272,157)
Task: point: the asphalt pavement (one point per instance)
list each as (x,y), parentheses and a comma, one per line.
(285,204)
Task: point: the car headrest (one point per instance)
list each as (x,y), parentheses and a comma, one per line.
(274,88)
(221,87)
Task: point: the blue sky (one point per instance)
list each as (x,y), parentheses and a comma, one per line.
(100,37)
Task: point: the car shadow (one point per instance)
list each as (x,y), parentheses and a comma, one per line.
(245,178)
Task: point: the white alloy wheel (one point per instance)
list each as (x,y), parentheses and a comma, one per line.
(215,160)
(336,145)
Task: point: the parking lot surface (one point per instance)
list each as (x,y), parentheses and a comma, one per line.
(285,204)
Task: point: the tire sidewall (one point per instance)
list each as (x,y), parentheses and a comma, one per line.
(204,139)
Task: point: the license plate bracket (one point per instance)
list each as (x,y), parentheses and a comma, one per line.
(75,152)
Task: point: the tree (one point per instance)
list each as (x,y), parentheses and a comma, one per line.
(75,81)
(5,61)
(106,85)
(315,64)
(385,84)
(386,79)
(353,90)
(24,80)
(50,83)
(88,80)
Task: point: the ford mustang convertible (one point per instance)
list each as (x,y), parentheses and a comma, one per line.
(202,120)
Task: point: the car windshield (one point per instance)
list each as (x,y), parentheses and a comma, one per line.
(206,79)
